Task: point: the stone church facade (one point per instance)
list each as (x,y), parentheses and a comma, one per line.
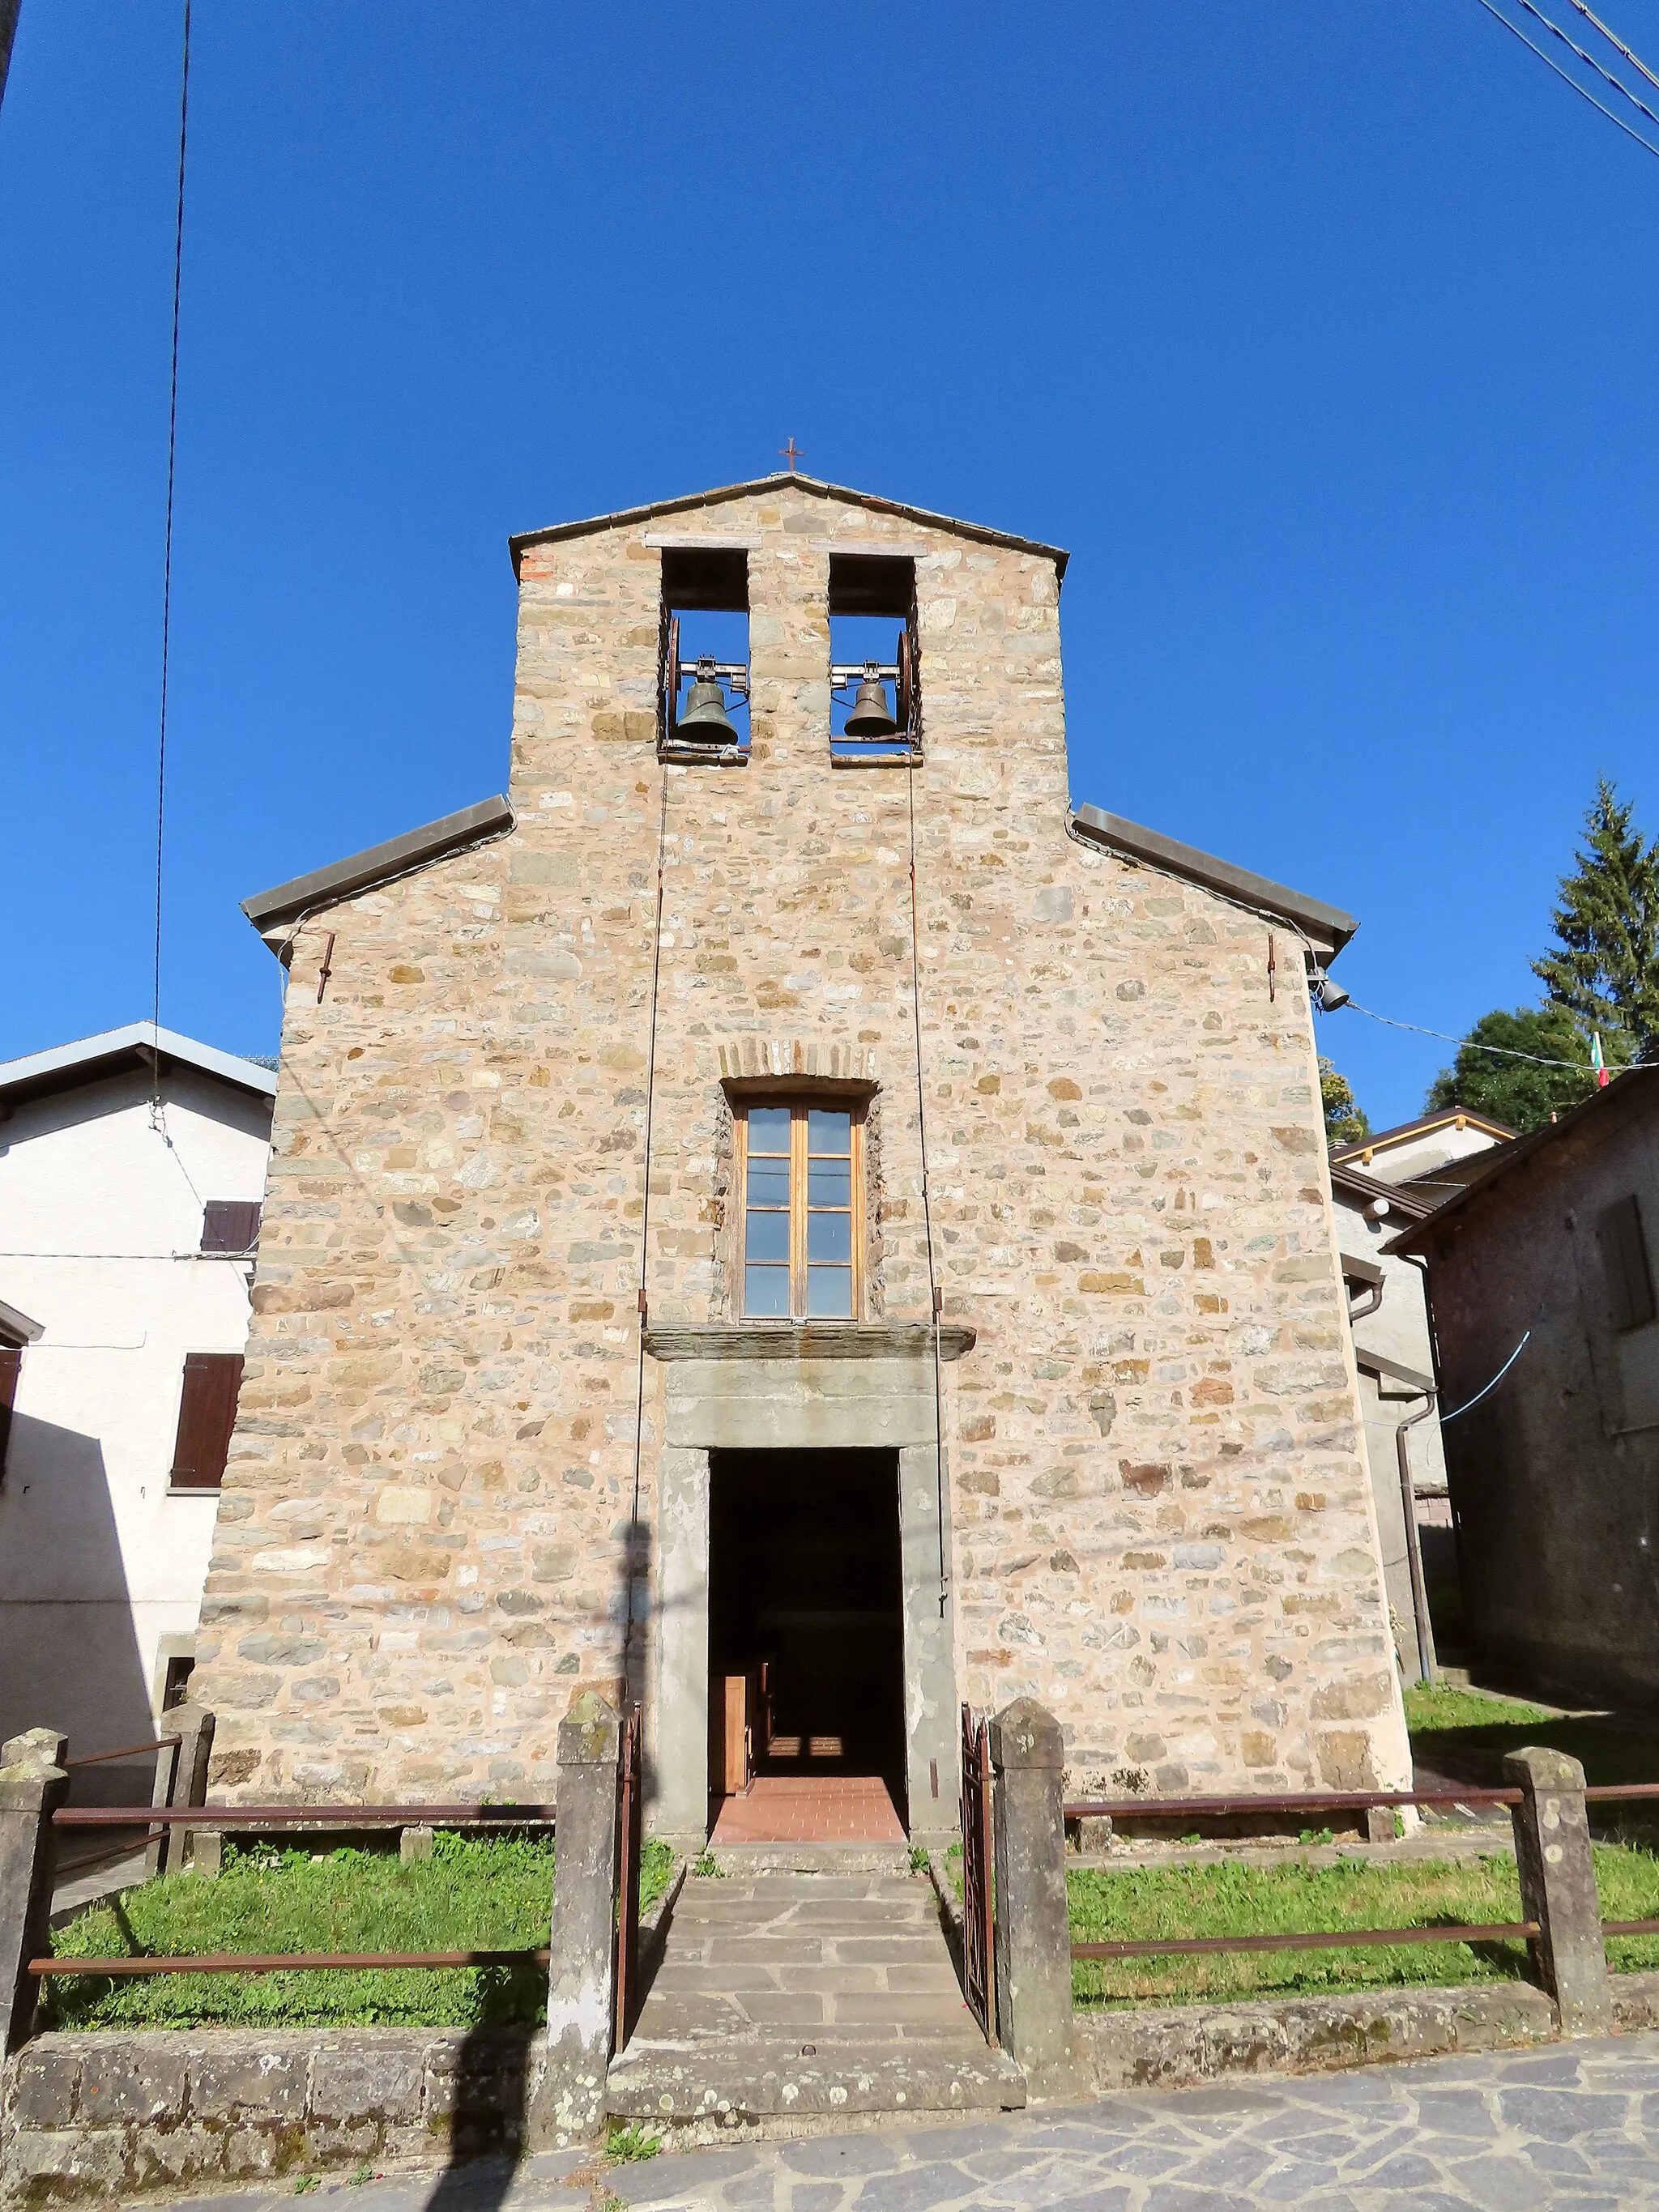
(521,1384)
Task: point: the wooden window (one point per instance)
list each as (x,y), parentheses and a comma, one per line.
(206,1414)
(230,1224)
(1624,1258)
(801,1169)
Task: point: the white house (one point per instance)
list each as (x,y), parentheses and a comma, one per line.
(1380,1186)
(132,1167)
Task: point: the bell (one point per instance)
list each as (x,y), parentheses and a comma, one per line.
(869,717)
(705,718)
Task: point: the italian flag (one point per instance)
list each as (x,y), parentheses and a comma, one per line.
(1596,1061)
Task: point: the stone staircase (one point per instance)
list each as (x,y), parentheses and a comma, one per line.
(791,1996)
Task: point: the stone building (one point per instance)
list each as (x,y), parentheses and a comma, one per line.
(1023,1369)
(1542,1277)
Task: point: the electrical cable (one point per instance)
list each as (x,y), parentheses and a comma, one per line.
(1491,1386)
(1567,78)
(1503,1051)
(645,1234)
(1606,75)
(166,553)
(935,1299)
(1614,40)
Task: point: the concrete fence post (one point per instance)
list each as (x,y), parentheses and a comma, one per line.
(581,1973)
(1558,1886)
(186,1771)
(1033,1926)
(31,1788)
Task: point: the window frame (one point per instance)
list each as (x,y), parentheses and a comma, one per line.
(799,1105)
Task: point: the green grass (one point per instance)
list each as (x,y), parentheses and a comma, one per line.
(1463,1735)
(1227,1898)
(472,1895)
(1432,1712)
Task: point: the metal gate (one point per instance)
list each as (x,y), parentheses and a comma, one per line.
(978,1913)
(631,1825)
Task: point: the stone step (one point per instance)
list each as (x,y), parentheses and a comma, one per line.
(751,2080)
(844,1859)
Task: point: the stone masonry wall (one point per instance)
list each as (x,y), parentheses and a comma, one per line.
(434,1529)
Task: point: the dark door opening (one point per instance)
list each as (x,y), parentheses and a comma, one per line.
(805,1620)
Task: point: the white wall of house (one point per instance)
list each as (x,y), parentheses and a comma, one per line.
(1397,1329)
(101,1225)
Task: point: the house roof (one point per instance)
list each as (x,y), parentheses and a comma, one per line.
(1633,1091)
(1397,1198)
(1407,1132)
(781,481)
(274,911)
(16,1329)
(113,1052)
(1328,926)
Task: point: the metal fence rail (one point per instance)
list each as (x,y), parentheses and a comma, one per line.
(278,1962)
(233,1819)
(1355,1939)
(1340,1939)
(127,1750)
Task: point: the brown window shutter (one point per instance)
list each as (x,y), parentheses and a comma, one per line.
(1624,1259)
(11,1366)
(230,1224)
(206,1414)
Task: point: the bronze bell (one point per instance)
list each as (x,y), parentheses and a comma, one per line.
(705,718)
(869,717)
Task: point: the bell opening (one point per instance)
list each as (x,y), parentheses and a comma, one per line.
(865,652)
(710,704)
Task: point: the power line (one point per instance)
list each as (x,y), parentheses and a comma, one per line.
(1503,1051)
(1614,40)
(167,554)
(1566,78)
(1606,75)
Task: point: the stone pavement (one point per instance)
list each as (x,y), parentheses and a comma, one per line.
(796,1993)
(1577,2126)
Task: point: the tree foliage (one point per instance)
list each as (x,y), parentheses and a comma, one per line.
(1346,1122)
(1605,973)
(1518,1092)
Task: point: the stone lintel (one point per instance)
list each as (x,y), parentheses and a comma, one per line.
(812,1340)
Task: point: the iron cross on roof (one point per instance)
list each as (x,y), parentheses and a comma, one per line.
(791,453)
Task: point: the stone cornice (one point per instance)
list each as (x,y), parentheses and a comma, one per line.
(847,1339)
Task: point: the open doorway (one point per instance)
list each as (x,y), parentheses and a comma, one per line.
(806,1647)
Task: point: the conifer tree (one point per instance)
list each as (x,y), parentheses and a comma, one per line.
(1606,972)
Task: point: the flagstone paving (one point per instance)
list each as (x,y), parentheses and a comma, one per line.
(1577,2126)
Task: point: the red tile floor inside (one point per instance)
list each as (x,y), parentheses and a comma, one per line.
(810,1808)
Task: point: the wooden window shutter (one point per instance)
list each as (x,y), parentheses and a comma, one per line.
(206,1414)
(230,1224)
(11,1366)
(1624,1260)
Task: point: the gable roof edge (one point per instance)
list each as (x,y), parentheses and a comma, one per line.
(273,911)
(91,1059)
(1327,927)
(625,516)
(1505,1158)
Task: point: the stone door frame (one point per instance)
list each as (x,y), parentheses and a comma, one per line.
(847,1387)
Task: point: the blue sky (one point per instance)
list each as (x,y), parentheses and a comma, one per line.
(1323,337)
